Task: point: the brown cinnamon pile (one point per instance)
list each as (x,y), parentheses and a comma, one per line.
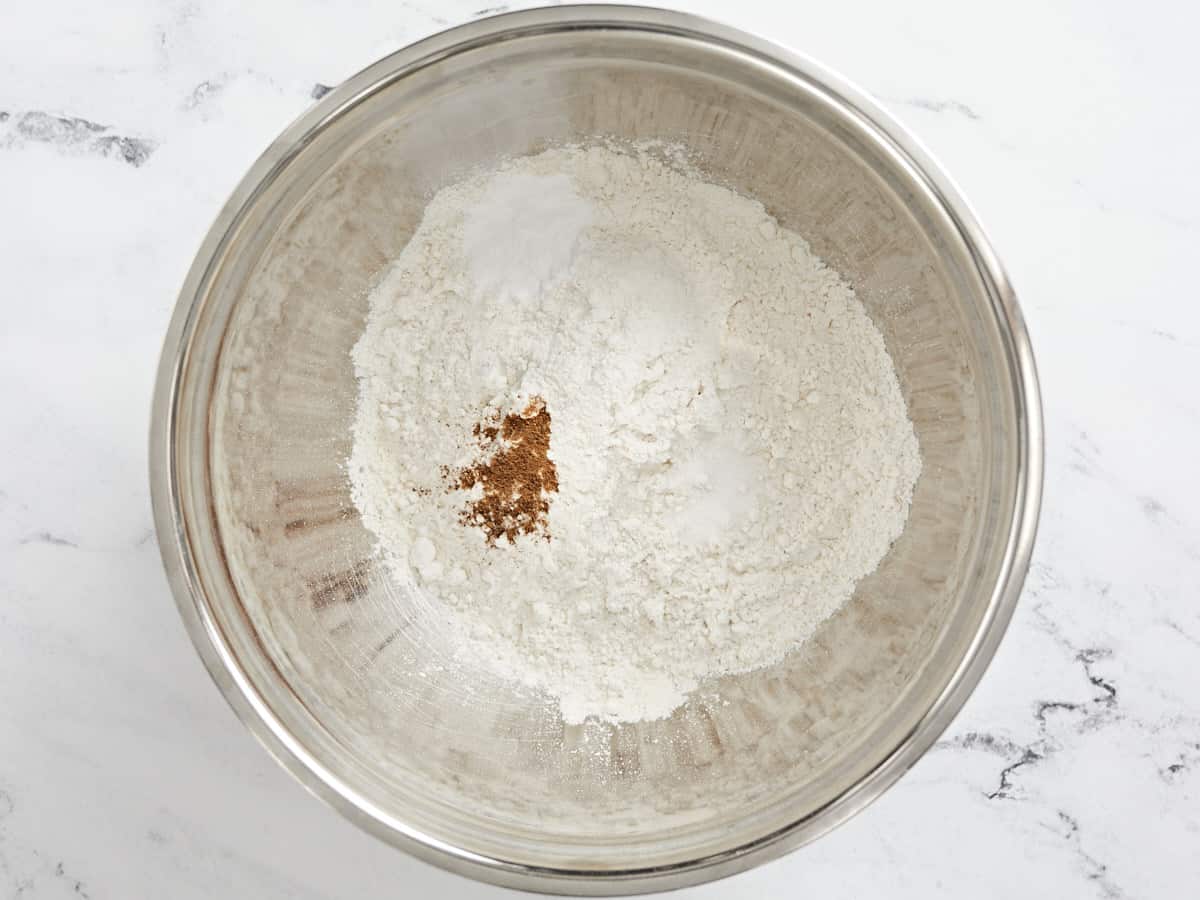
(516,474)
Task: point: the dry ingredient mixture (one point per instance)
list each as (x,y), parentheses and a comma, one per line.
(623,430)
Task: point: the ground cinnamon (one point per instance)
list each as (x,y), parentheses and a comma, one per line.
(516,474)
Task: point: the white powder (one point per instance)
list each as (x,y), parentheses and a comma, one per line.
(732,449)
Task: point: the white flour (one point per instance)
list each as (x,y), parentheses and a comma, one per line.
(731,447)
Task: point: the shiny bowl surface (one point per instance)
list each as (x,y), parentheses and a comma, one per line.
(331,665)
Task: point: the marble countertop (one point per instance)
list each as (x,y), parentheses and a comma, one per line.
(1074,770)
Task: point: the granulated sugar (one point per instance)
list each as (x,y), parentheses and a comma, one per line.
(623,430)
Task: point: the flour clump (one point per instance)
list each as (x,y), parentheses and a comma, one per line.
(626,431)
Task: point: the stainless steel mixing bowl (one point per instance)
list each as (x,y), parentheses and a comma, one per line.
(338,672)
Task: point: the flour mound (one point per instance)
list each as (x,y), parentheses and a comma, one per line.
(730,448)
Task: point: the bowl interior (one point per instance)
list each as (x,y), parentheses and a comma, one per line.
(348,663)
